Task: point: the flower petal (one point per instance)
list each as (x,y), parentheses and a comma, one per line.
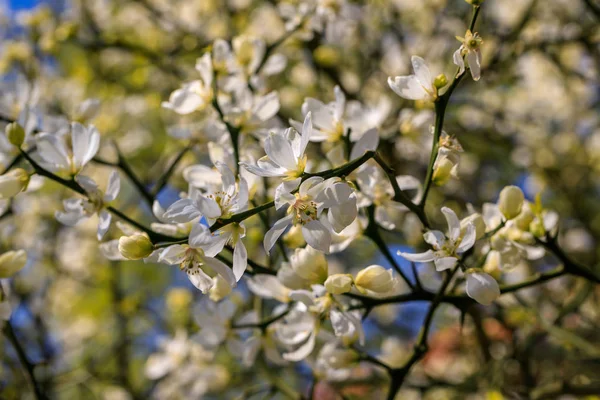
(113,188)
(277,230)
(240,260)
(408,87)
(418,257)
(453,223)
(422,72)
(317,236)
(280,151)
(444,263)
(221,269)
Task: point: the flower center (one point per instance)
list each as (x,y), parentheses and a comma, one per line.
(304,210)
(297,173)
(224,202)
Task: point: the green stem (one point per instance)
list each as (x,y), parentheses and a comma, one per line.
(440,112)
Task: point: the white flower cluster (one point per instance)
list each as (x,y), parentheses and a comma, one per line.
(317,184)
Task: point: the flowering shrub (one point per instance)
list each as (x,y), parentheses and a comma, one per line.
(348,221)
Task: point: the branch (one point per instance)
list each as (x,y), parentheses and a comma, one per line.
(74,186)
(164,179)
(29,367)
(399,195)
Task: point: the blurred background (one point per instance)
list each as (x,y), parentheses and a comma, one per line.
(89,325)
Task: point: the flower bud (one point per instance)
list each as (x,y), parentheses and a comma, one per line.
(511,201)
(475,2)
(492,264)
(220,289)
(12,262)
(440,81)
(442,171)
(339,283)
(136,246)
(13,182)
(15,134)
(309,264)
(477,221)
(374,278)
(524,218)
(482,287)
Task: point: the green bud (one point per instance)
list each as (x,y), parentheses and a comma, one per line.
(475,3)
(339,283)
(440,81)
(511,201)
(136,246)
(15,134)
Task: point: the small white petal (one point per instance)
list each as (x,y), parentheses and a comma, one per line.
(113,188)
(277,230)
(444,263)
(453,223)
(240,260)
(418,257)
(317,236)
(408,87)
(422,72)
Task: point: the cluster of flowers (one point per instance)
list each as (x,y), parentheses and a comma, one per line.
(323,210)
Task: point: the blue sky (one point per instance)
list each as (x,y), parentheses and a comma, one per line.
(17,4)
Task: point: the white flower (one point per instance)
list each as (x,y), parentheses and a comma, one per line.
(306,206)
(214,320)
(224,203)
(174,353)
(297,332)
(195,95)
(415,87)
(165,226)
(192,258)
(78,209)
(333,120)
(346,324)
(375,189)
(241,64)
(470,48)
(285,154)
(445,248)
(251,113)
(327,118)
(334,362)
(57,157)
(482,287)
